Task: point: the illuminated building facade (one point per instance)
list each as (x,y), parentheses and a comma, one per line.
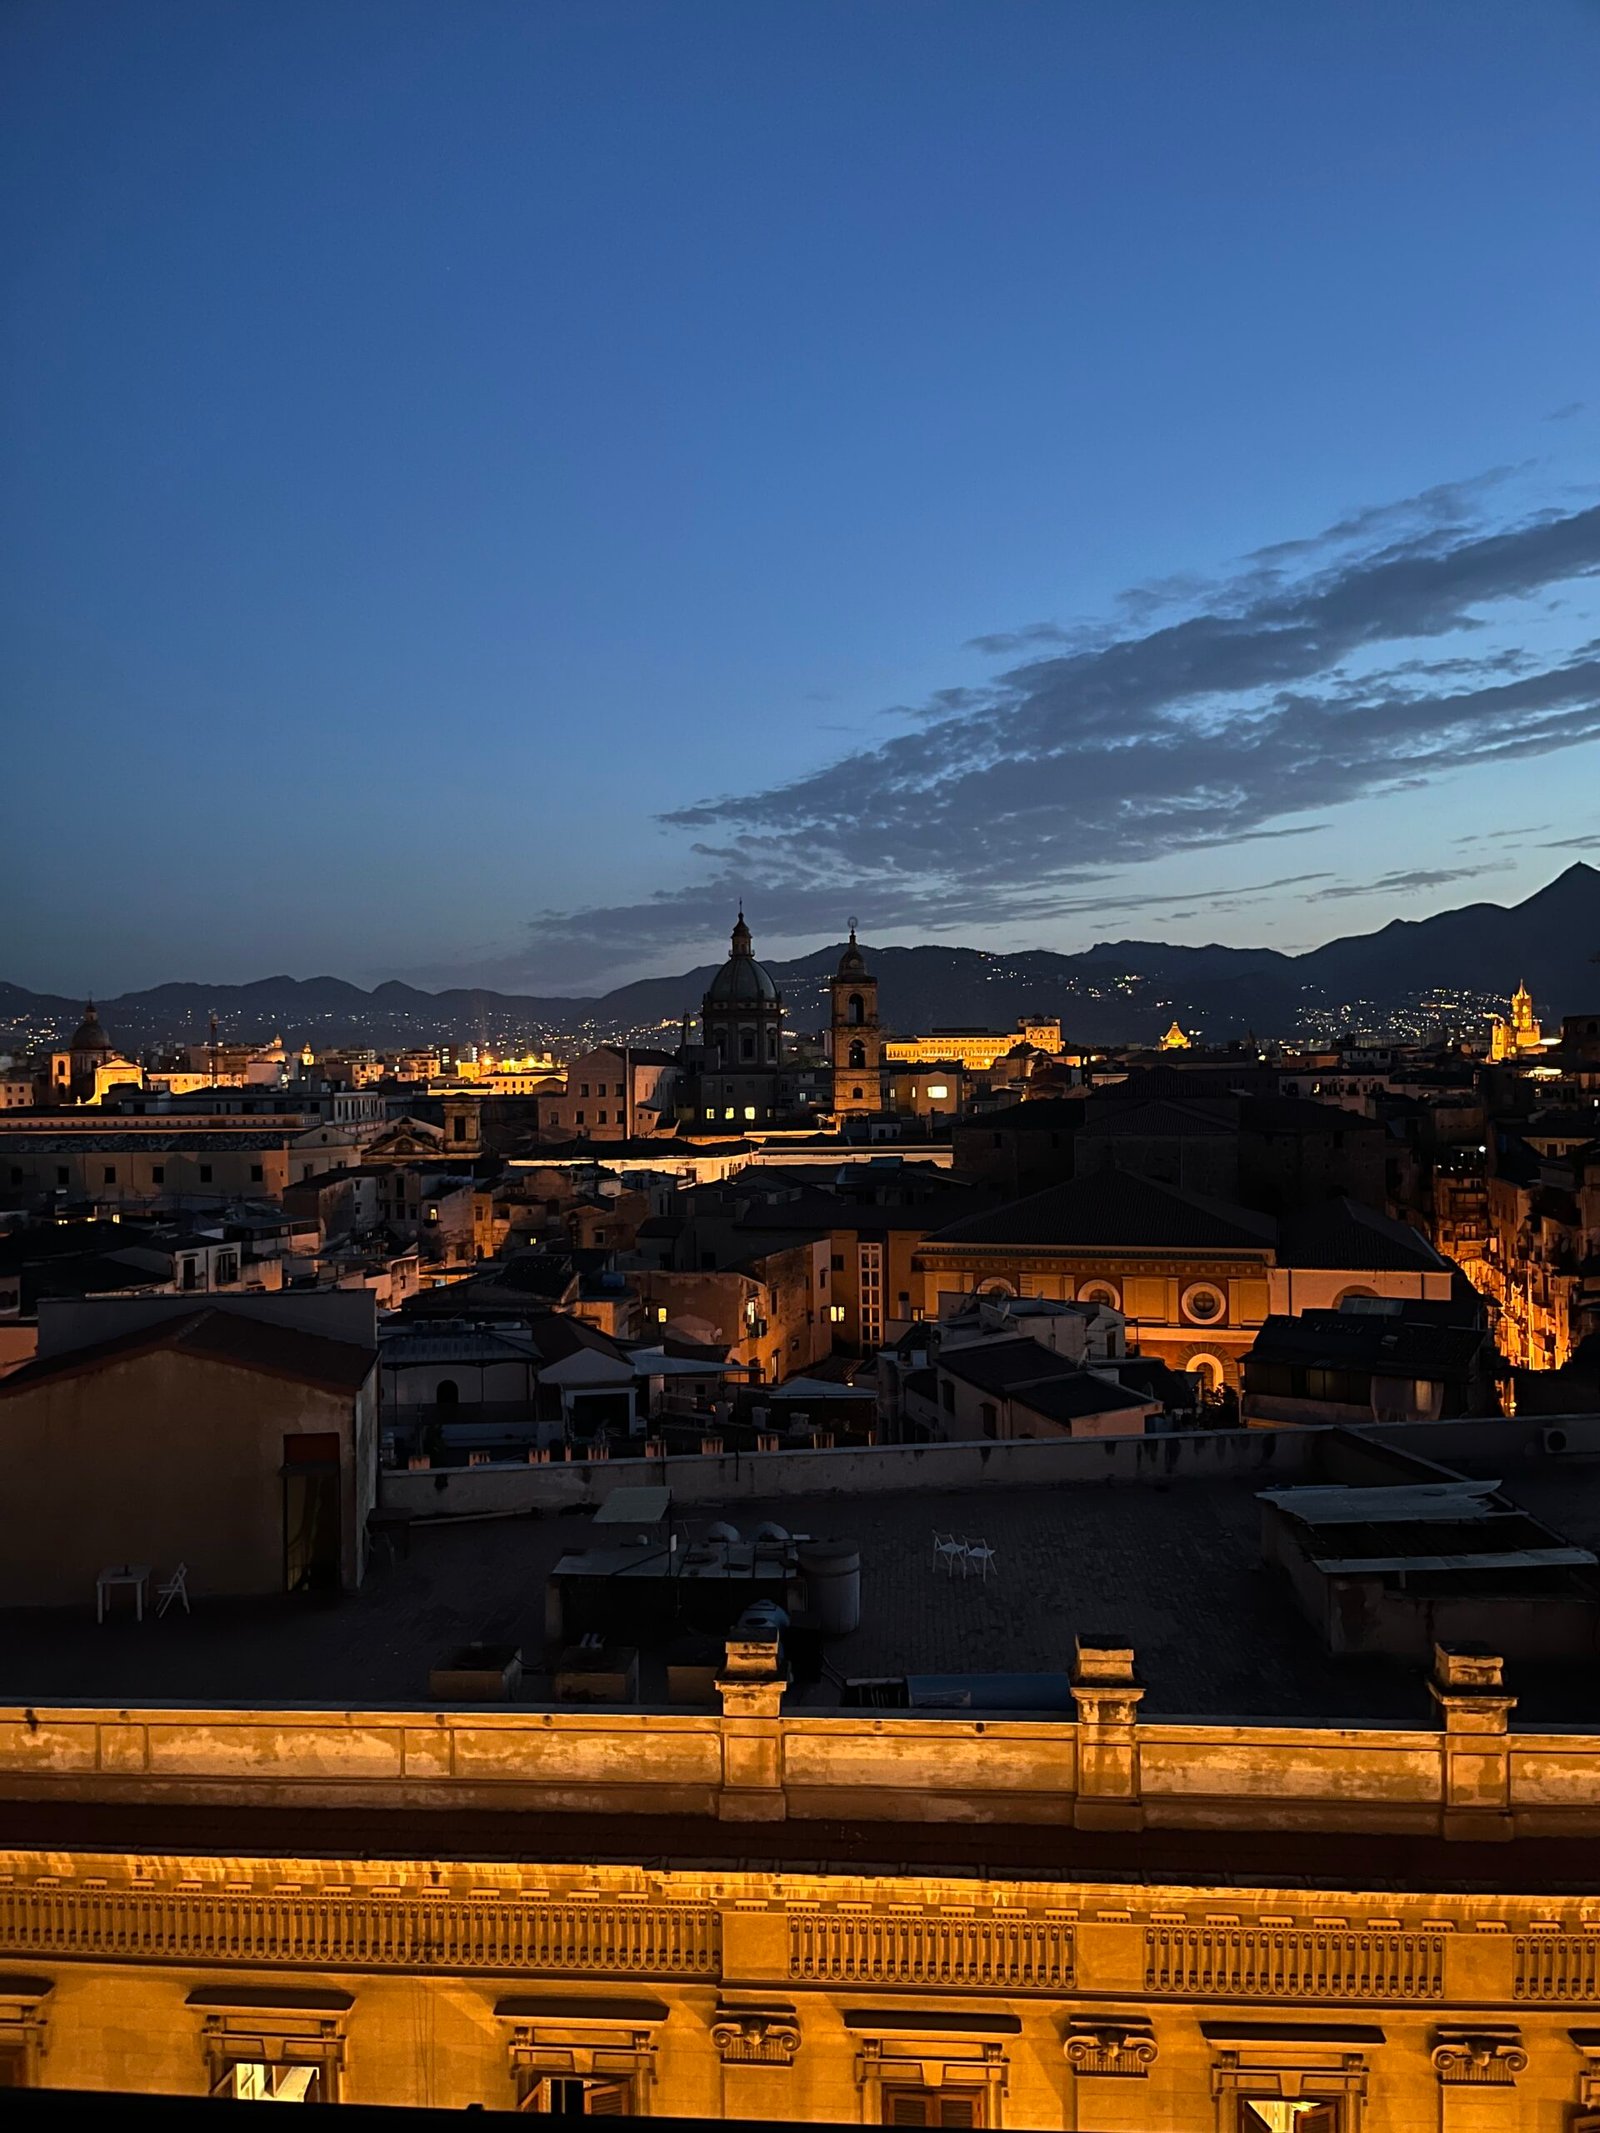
(1518,1035)
(978,1050)
(855,1040)
(1098,1922)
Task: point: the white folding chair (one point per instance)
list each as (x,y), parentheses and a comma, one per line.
(173,1588)
(949,1551)
(982,1556)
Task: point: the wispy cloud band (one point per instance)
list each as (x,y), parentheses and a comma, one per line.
(1314,676)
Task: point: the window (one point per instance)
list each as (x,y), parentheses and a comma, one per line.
(619,1088)
(747,1044)
(837,1262)
(857,1009)
(109,1176)
(947,1396)
(856,1095)
(578,1117)
(1204,1304)
(749,1110)
(158,1173)
(257,1173)
(205,1173)
(1100,1292)
(458,1127)
(858,1056)
(255,2081)
(575,2096)
(728,1113)
(584,1090)
(989,1417)
(61,1173)
(938,1090)
(836,1314)
(929,2107)
(601,1118)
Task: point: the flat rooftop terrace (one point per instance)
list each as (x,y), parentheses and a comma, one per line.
(1172,1567)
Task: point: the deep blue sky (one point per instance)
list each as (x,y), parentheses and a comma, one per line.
(437,441)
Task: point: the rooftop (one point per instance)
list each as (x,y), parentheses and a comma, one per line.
(1114,1210)
(1173,1566)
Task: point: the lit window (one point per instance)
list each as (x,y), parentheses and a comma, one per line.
(661,1314)
(836,1313)
(729,1112)
(938,1088)
(749,1110)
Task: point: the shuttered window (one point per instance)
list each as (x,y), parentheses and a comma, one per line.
(929,2107)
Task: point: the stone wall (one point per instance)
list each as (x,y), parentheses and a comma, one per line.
(1469,1778)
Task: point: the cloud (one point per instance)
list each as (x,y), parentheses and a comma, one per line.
(1566,413)
(1377,657)
(1574,844)
(1407,878)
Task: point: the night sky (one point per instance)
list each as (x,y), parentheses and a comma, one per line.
(484,486)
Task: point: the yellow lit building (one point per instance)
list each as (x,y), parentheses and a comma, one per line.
(1517,1036)
(1328,1943)
(977,1050)
(1176,1039)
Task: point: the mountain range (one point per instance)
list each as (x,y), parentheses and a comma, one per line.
(1412,975)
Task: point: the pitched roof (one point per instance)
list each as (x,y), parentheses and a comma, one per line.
(214,1335)
(1081,1393)
(1349,1340)
(1000,1366)
(1344,1233)
(1114,1210)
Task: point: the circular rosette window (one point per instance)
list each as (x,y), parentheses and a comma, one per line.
(1204,1304)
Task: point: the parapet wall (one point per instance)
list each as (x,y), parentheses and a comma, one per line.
(1097,1768)
(728,1477)
(1275,1455)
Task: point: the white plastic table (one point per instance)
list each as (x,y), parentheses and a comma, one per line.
(135,1574)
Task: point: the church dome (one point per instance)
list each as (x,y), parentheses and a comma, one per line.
(89,1036)
(742,981)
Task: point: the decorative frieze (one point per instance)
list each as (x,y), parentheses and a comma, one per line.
(351,1931)
(1014,1954)
(1243,1962)
(1556,1967)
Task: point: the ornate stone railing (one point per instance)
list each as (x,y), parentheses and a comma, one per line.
(1240,1962)
(1010,1954)
(356,1932)
(1556,1966)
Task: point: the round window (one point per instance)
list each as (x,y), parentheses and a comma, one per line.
(1100,1292)
(1203,1305)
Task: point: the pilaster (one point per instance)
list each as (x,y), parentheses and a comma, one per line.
(1469,1687)
(1107,1696)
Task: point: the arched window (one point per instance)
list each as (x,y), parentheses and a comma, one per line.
(747,1044)
(858,1054)
(772,1044)
(447,1393)
(858,1008)
(1208,1370)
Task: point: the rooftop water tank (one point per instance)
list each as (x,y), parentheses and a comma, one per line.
(832,1571)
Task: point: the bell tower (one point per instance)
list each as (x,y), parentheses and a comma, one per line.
(855,1043)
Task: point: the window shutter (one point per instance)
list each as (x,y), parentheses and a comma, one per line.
(958,2110)
(906,2107)
(606,2099)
